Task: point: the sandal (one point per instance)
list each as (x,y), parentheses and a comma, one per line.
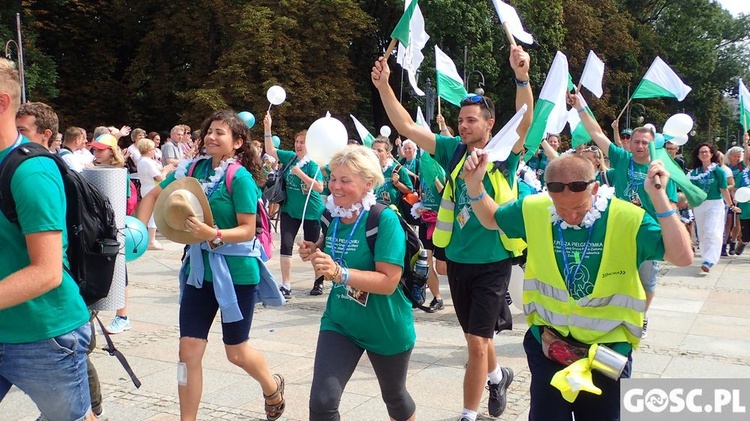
(274,411)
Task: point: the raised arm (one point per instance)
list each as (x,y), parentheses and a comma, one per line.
(397,114)
(549,150)
(484,207)
(519,62)
(746,156)
(616,132)
(592,127)
(677,247)
(268,137)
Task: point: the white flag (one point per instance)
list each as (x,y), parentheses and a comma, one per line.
(421,121)
(508,16)
(501,145)
(410,58)
(593,73)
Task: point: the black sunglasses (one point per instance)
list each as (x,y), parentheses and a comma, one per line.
(574,186)
(475,100)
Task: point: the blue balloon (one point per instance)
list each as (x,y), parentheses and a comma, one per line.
(276,141)
(136,238)
(659,140)
(248,118)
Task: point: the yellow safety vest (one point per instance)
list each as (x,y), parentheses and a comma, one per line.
(614,311)
(504,194)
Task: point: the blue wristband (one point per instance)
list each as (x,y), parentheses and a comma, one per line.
(478,198)
(523,84)
(344,275)
(582,110)
(666,214)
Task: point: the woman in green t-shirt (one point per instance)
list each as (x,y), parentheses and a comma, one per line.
(301,180)
(366,310)
(397,182)
(224,254)
(709,216)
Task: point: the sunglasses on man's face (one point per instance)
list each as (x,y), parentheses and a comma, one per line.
(574,186)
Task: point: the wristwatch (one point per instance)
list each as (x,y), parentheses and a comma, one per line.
(217,241)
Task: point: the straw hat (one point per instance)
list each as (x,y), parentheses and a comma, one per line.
(183,198)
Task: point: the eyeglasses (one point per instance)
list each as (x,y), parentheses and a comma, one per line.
(574,186)
(625,136)
(704,151)
(475,100)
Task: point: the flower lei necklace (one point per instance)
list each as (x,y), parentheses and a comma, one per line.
(302,162)
(211,183)
(704,174)
(529,177)
(338,211)
(599,204)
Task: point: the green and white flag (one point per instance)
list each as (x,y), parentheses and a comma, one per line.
(410,57)
(744,106)
(403,27)
(364,134)
(450,86)
(550,111)
(421,121)
(578,134)
(661,81)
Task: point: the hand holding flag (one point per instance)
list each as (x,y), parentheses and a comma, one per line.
(401,31)
(512,23)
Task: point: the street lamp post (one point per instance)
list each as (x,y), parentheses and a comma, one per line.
(429,101)
(19,49)
(480,85)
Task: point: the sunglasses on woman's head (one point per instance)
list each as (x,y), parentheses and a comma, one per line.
(574,186)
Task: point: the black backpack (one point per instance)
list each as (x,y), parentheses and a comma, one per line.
(412,285)
(90,222)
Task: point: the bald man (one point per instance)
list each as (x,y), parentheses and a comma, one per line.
(597,243)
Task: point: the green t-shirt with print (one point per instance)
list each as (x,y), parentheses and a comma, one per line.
(711,182)
(473,243)
(383,324)
(296,190)
(39,194)
(429,171)
(628,178)
(225,207)
(410,165)
(326,171)
(538,163)
(736,170)
(742,179)
(388,193)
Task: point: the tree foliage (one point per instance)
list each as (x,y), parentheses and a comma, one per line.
(154,63)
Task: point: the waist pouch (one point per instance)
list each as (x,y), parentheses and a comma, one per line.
(560,349)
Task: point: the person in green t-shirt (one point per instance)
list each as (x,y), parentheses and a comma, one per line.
(366,310)
(302,180)
(743,180)
(44,330)
(737,162)
(397,181)
(479,261)
(546,153)
(709,216)
(574,299)
(230,280)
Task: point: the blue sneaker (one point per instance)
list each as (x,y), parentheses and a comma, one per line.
(119,324)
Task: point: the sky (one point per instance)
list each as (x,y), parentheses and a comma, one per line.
(736,6)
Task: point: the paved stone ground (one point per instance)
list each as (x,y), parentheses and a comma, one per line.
(695,330)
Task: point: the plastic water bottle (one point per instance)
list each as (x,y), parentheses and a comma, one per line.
(421,266)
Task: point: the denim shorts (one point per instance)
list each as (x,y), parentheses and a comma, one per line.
(52,372)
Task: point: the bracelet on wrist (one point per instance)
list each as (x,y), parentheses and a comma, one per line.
(344,275)
(582,110)
(666,214)
(267,135)
(521,84)
(478,198)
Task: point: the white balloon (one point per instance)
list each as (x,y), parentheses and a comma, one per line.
(679,140)
(385,131)
(515,286)
(678,125)
(325,137)
(742,194)
(276,95)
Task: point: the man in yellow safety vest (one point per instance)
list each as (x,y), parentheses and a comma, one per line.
(581,287)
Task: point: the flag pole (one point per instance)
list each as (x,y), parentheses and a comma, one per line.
(624,108)
(390,48)
(511,40)
(439,113)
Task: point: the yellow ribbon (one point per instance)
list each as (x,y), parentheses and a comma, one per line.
(576,377)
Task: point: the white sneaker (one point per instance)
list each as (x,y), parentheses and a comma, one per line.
(118,325)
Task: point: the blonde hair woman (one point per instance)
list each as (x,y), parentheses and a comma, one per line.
(366,309)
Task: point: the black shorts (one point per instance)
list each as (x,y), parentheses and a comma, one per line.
(437,252)
(478,292)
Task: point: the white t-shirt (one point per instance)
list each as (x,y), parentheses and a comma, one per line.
(85,156)
(71,159)
(157,156)
(147,170)
(134,153)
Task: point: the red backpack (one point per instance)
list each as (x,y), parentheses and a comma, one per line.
(262,221)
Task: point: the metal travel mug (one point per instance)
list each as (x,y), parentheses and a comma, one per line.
(609,362)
